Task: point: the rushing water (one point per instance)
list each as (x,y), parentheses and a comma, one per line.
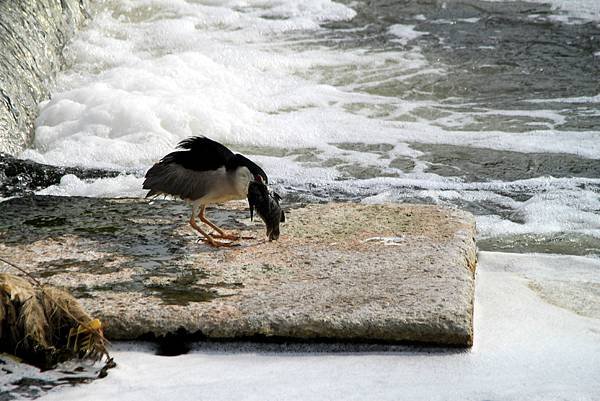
(490,106)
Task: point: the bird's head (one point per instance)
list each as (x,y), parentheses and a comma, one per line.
(267,207)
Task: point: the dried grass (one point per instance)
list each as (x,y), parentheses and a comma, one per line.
(45,325)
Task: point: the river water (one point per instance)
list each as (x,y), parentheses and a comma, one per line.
(490,106)
(493,107)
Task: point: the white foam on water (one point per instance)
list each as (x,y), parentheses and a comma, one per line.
(525,349)
(144,75)
(454,21)
(122,186)
(404,33)
(579,99)
(558,205)
(138,87)
(548,212)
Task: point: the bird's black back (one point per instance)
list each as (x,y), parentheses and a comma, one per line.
(204,154)
(201,154)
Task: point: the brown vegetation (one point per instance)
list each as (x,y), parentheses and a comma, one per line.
(45,325)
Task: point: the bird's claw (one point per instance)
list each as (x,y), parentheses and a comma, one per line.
(231,237)
(217,244)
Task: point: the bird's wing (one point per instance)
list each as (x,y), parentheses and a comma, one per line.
(188,173)
(193,172)
(174,179)
(202,154)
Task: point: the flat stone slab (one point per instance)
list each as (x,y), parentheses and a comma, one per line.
(340,271)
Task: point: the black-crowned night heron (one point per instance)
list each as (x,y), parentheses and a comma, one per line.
(204,173)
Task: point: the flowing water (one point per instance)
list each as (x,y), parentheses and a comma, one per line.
(490,106)
(493,107)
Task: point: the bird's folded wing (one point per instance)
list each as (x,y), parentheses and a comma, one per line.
(174,179)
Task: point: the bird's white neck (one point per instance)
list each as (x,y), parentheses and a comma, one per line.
(241,179)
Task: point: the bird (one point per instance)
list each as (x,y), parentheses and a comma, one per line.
(204,172)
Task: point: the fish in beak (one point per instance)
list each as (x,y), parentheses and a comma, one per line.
(267,207)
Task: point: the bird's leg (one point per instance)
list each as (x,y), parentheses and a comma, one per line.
(207,236)
(222,233)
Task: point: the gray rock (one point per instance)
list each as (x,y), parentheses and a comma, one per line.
(32,36)
(18,177)
(340,271)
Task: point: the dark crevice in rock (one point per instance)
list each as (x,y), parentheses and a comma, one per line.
(19,177)
(182,342)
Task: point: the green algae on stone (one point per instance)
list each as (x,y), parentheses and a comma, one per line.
(170,295)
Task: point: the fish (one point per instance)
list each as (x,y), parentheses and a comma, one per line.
(267,207)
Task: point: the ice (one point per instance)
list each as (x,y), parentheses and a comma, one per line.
(525,349)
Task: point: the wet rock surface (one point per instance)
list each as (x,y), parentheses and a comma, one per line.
(19,177)
(33,34)
(340,271)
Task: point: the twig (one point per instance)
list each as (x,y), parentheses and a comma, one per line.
(25,272)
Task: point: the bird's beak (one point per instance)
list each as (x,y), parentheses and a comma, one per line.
(273,233)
